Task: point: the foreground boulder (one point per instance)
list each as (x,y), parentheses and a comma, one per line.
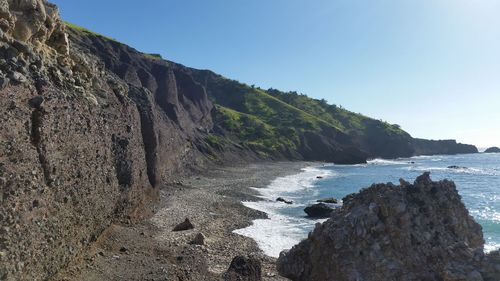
(244,268)
(319,210)
(419,231)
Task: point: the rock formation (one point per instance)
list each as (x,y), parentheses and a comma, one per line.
(419,231)
(493,149)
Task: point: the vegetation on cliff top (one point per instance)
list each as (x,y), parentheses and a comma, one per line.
(272,122)
(87,31)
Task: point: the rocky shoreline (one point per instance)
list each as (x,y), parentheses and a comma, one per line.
(419,231)
(150,250)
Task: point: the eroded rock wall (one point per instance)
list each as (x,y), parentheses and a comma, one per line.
(80,144)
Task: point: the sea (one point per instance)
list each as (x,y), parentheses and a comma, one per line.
(477,177)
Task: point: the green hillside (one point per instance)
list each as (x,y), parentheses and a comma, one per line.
(260,120)
(273,121)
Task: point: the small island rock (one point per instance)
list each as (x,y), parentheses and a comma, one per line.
(493,149)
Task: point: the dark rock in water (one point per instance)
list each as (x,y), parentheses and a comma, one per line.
(493,149)
(419,231)
(456,167)
(185,225)
(330,200)
(319,210)
(281,199)
(319,177)
(244,268)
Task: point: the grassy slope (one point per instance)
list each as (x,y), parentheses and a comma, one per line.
(272,121)
(260,120)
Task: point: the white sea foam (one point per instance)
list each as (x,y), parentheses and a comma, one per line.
(460,170)
(378,161)
(489,247)
(280,232)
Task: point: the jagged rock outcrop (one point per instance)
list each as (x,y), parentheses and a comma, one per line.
(419,231)
(493,149)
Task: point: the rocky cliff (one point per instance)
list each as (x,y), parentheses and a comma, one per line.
(83,139)
(419,231)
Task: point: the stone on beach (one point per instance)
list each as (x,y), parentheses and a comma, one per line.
(199,239)
(185,225)
(244,268)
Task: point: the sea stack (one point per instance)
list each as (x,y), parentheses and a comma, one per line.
(419,231)
(493,149)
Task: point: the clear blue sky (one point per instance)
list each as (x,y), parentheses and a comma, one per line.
(432,66)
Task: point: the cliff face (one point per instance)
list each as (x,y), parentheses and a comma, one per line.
(419,231)
(84,139)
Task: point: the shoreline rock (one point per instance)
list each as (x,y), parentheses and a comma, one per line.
(320,210)
(419,231)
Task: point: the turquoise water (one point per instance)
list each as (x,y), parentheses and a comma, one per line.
(478,182)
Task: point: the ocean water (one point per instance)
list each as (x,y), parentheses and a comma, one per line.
(478,182)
